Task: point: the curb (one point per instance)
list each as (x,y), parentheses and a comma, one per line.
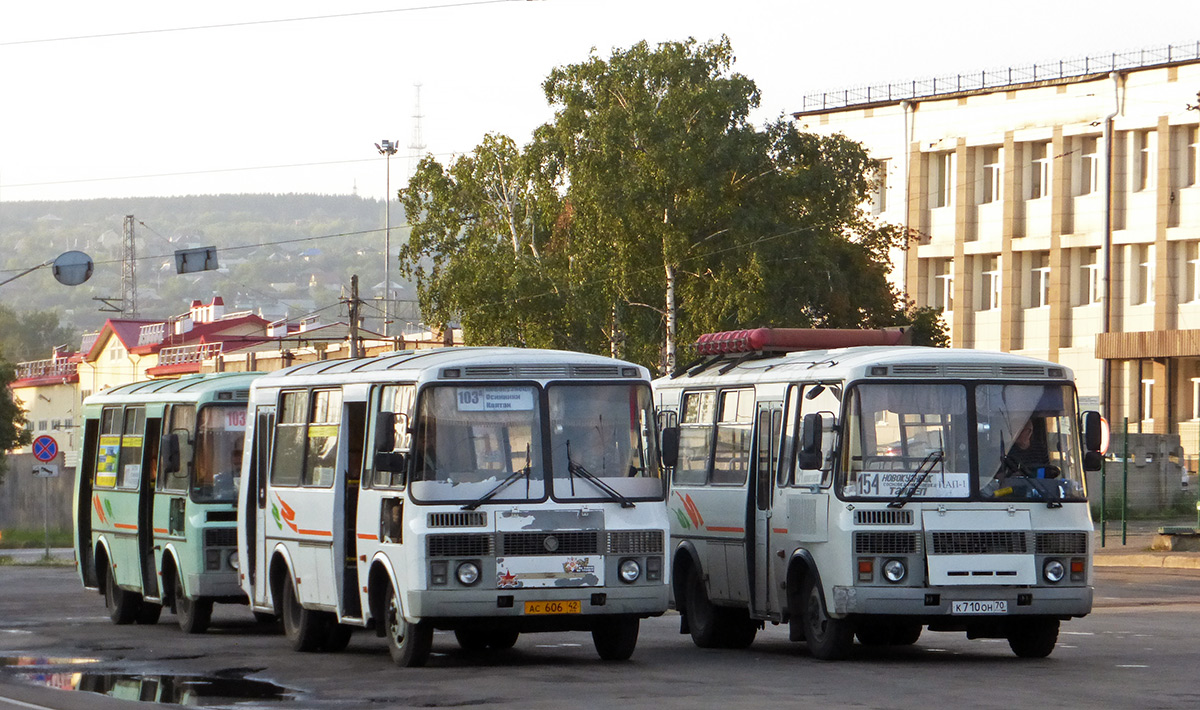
(1146,559)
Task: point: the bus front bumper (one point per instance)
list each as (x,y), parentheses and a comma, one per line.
(940,601)
(634,600)
(214,584)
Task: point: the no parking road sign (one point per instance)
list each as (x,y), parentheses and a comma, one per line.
(45,448)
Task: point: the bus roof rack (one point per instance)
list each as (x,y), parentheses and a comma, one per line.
(786,340)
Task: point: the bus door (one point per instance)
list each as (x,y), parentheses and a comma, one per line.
(83,502)
(808,506)
(146,546)
(175,448)
(354,427)
(767,421)
(256,502)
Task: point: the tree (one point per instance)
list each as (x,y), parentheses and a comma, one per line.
(647,212)
(32,335)
(13,433)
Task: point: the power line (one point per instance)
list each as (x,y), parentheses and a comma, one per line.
(250,23)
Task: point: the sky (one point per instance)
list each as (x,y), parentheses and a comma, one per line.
(149,98)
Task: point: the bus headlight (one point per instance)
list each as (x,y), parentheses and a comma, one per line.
(894,570)
(630,570)
(468,573)
(232,561)
(1053,571)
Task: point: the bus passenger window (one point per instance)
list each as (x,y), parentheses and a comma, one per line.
(695,437)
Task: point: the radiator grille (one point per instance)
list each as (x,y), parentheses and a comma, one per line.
(220,537)
(883,517)
(635,542)
(461,519)
(1023,370)
(1062,543)
(576,542)
(221,516)
(886,543)
(463,545)
(596,371)
(979,543)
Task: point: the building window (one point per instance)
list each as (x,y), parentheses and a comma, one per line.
(1186,150)
(1143,277)
(879,188)
(1191,271)
(942,179)
(1089,278)
(942,297)
(1039,280)
(1144,154)
(991,176)
(1088,166)
(990,292)
(1039,170)
(1147,403)
(1196,399)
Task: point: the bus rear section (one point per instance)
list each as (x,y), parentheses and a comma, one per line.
(873,493)
(155,521)
(486,491)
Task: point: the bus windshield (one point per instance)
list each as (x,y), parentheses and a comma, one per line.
(470,439)
(219,441)
(603,443)
(914,441)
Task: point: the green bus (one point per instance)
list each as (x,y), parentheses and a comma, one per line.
(155,494)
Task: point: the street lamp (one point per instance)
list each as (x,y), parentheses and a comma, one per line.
(387,149)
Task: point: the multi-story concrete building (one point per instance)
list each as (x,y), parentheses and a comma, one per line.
(1055,211)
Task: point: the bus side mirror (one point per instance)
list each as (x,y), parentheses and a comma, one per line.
(386,428)
(1093,441)
(392,462)
(169,446)
(809,455)
(669,446)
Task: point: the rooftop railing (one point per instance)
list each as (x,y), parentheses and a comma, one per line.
(998,78)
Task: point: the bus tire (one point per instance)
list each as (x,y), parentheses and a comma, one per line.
(702,616)
(735,627)
(149,613)
(192,615)
(828,639)
(123,605)
(409,644)
(305,629)
(338,637)
(1032,638)
(616,638)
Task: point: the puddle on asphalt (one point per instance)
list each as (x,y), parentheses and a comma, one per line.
(160,688)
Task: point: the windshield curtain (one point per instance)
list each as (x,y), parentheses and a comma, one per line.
(471,438)
(220,436)
(606,430)
(896,430)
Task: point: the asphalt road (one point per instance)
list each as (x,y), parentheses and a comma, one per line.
(1139,648)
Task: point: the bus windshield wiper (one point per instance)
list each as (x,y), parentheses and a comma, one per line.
(577,469)
(913,484)
(522,472)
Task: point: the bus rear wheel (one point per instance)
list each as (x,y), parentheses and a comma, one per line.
(829,639)
(713,626)
(193,615)
(616,638)
(123,605)
(149,613)
(305,629)
(1033,638)
(409,644)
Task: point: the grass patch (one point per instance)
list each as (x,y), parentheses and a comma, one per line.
(25,538)
(9,561)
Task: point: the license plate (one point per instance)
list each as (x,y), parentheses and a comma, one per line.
(553,607)
(990,607)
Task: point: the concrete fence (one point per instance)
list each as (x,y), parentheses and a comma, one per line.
(1158,480)
(27,501)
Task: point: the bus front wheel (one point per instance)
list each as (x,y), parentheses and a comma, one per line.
(1033,638)
(305,629)
(408,643)
(123,605)
(616,638)
(193,615)
(828,638)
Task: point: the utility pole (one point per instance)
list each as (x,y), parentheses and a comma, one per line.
(129,307)
(417,144)
(387,149)
(354,353)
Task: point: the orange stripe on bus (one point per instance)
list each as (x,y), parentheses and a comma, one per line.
(366,536)
(714,528)
(124,526)
(322,533)
(161,531)
(780,531)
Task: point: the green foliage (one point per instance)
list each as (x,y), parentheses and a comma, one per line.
(13,433)
(32,335)
(926,327)
(650,174)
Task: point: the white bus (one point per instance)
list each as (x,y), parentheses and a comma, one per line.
(875,491)
(487,491)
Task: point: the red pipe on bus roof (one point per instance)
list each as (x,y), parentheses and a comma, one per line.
(794,339)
